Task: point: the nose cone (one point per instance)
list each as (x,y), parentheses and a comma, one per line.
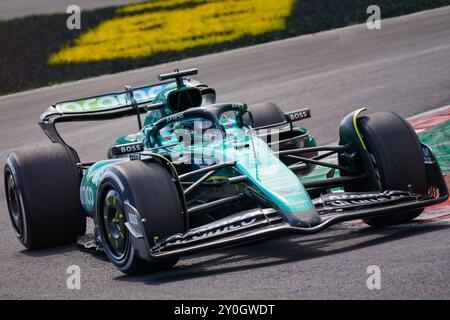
(304,219)
(278,184)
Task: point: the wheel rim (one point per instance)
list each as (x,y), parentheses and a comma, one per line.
(14,205)
(113,220)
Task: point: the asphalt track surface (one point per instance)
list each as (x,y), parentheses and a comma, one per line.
(10,9)
(404,67)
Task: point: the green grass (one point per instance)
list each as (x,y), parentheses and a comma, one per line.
(438,139)
(27,43)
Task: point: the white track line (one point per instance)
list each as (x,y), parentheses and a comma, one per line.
(426,113)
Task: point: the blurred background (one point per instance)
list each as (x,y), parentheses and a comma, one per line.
(38,49)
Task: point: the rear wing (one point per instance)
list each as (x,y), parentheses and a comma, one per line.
(104,107)
(114,101)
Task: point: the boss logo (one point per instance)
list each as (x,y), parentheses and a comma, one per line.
(133,148)
(299,115)
(127,148)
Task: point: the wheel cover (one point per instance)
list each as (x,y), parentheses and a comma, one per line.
(113,223)
(14,205)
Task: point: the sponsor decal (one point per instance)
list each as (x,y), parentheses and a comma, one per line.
(113,101)
(174,117)
(215,229)
(347,199)
(127,148)
(299,115)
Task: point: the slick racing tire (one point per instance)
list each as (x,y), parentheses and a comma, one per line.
(396,154)
(42,187)
(150,189)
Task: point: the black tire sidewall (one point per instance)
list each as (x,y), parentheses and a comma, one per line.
(10,169)
(396,154)
(48,182)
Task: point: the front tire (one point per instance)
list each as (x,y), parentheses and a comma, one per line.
(149,188)
(396,154)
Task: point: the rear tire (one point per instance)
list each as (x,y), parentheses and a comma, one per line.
(150,189)
(42,191)
(396,154)
(265,114)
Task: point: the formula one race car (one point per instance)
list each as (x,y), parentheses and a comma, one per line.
(201,175)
